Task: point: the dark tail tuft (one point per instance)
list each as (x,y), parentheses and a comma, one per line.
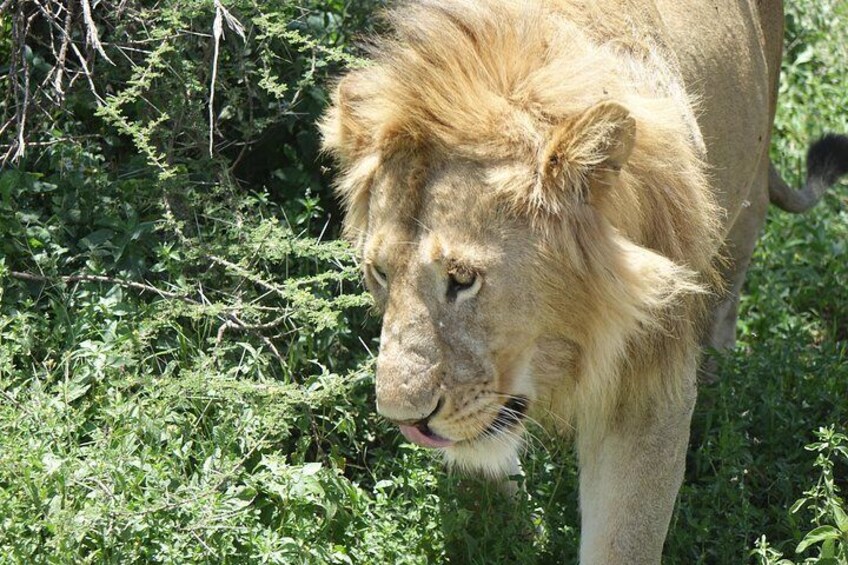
(827,158)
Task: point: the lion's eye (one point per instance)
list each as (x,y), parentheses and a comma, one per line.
(378,274)
(462,280)
(462,283)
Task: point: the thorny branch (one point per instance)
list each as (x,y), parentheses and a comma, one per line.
(231,319)
(234,322)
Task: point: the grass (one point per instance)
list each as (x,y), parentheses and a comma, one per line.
(138,429)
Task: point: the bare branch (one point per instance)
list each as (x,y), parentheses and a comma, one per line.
(91,31)
(87,73)
(52,21)
(59,69)
(19,146)
(221,14)
(70,279)
(217,32)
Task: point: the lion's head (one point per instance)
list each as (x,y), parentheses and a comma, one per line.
(526,218)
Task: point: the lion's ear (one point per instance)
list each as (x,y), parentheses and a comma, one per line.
(343,134)
(586,153)
(346,134)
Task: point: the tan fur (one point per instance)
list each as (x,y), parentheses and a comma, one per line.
(552,149)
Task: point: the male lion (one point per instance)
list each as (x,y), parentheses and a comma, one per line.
(547,197)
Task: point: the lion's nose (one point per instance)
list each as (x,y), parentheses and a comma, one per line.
(408,385)
(417,422)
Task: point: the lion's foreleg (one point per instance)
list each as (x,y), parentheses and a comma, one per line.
(630,473)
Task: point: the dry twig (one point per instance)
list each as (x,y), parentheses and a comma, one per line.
(71,279)
(221,14)
(59,68)
(91,36)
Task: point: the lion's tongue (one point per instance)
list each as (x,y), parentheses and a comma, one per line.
(415,435)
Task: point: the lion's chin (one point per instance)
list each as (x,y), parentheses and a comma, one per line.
(494,453)
(493,456)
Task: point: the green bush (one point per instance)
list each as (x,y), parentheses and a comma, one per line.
(184,354)
(827,509)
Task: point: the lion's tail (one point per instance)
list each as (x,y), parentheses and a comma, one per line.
(827,160)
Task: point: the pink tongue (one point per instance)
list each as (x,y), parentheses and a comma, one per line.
(415,435)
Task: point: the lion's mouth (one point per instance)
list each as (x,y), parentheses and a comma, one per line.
(422,435)
(509,416)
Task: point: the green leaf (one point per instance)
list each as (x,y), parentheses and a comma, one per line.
(76,391)
(798,505)
(820,534)
(805,56)
(385,483)
(310,469)
(96,238)
(828,548)
(840,517)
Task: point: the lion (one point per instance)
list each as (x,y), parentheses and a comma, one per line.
(555,203)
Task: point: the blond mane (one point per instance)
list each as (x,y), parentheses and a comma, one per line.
(488,81)
(497,83)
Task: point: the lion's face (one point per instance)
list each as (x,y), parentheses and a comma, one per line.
(518,234)
(453,277)
(487,269)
